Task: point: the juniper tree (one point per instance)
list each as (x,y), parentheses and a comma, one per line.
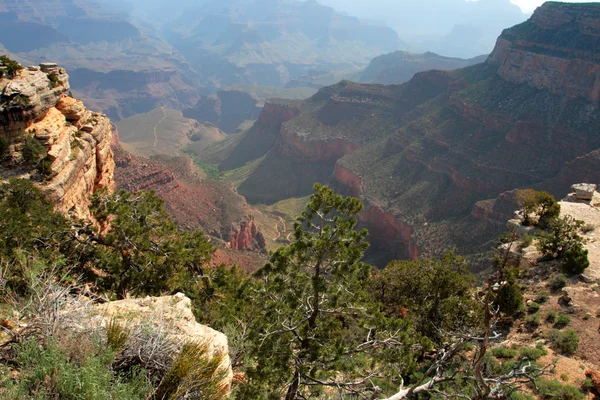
(319,328)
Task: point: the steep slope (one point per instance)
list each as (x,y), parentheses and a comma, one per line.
(422,154)
(72,144)
(400,66)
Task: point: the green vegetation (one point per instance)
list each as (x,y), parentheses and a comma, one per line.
(54,80)
(532,353)
(503,352)
(539,207)
(551,317)
(315,321)
(563,241)
(565,342)
(11,67)
(533,307)
(562,321)
(542,297)
(211,170)
(554,390)
(53,370)
(33,151)
(558,282)
(193,374)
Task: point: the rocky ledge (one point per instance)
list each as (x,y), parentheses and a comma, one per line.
(74,143)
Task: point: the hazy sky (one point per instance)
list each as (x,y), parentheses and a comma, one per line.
(530,5)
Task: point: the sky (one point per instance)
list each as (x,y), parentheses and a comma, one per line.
(529,5)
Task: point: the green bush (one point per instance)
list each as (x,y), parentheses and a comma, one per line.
(526,240)
(194,374)
(533,307)
(503,352)
(12,67)
(533,321)
(563,236)
(575,260)
(532,353)
(542,297)
(48,372)
(54,80)
(558,282)
(510,299)
(33,151)
(562,321)
(516,395)
(542,205)
(554,390)
(565,342)
(551,317)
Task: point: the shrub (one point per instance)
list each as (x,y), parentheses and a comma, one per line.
(554,390)
(542,205)
(558,282)
(510,299)
(46,371)
(532,353)
(533,321)
(533,307)
(562,321)
(526,240)
(116,335)
(194,374)
(542,297)
(12,67)
(566,342)
(516,395)
(54,81)
(563,236)
(33,151)
(575,260)
(551,316)
(503,352)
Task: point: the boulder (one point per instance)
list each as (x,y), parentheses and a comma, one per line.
(171,315)
(584,191)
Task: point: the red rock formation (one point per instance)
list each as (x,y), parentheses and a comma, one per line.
(346,182)
(388,232)
(247,237)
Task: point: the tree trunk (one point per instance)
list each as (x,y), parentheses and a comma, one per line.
(293,388)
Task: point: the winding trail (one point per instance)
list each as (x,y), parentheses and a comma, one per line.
(158,123)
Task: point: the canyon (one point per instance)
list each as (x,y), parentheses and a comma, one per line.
(435,159)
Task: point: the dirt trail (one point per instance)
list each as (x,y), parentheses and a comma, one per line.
(156,126)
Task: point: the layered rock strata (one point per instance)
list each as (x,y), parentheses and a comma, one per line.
(78,159)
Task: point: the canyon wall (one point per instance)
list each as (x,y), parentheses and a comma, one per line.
(75,142)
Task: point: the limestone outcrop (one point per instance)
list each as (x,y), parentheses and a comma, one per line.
(170,315)
(77,159)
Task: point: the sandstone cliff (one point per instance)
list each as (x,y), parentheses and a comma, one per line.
(75,154)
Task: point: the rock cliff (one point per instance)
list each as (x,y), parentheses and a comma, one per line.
(555,50)
(73,155)
(247,237)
